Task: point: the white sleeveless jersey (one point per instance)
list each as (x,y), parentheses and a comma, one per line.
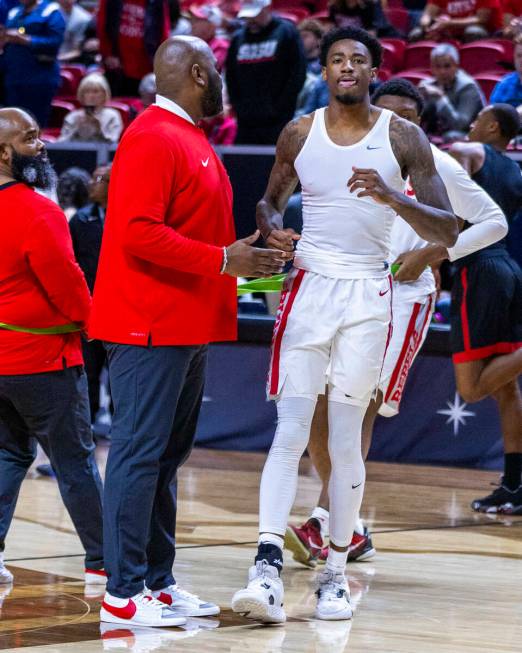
(345,236)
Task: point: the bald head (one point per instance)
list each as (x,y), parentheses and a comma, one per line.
(14,122)
(185,69)
(22,153)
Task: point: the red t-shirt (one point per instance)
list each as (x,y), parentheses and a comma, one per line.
(168,218)
(465,8)
(513,7)
(41,285)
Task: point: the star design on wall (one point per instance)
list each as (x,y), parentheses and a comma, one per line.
(456,413)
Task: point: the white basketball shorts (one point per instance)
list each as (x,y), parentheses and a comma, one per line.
(330,331)
(411,320)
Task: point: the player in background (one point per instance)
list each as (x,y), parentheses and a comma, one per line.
(412,306)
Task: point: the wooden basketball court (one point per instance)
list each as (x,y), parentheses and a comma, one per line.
(445,580)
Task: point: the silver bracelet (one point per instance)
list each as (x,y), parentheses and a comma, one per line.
(225,261)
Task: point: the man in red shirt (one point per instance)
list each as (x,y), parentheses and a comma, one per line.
(463,19)
(130,32)
(44,302)
(164,290)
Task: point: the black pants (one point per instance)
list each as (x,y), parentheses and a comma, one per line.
(157,393)
(51,408)
(94,356)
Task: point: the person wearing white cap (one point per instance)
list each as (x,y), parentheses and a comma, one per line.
(265,70)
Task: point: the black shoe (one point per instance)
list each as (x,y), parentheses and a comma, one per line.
(45,470)
(501,500)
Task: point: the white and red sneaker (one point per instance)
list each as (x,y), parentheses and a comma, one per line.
(185,603)
(6,577)
(140,610)
(305,542)
(95,577)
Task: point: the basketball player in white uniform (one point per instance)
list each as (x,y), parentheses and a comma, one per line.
(412,306)
(334,320)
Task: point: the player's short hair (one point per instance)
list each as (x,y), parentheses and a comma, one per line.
(354,34)
(402,88)
(507,118)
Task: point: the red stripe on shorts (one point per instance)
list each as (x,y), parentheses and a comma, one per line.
(404,350)
(464,309)
(279,329)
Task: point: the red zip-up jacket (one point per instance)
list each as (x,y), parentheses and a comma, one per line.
(41,285)
(168,217)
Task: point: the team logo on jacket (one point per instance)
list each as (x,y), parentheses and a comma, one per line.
(256,52)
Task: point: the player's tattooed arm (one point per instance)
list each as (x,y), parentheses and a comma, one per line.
(431,215)
(281,184)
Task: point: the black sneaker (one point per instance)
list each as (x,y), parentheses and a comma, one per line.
(501,500)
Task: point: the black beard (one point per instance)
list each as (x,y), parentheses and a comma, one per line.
(36,171)
(348,99)
(212,101)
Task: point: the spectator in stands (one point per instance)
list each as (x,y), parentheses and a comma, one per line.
(73,190)
(130,32)
(94,121)
(355,13)
(311,34)
(512,18)
(509,89)
(469,20)
(76,22)
(86,228)
(33,35)
(147,90)
(206,20)
(265,70)
(453,98)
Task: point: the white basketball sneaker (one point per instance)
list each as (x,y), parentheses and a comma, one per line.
(6,577)
(140,610)
(333,596)
(185,603)
(262,599)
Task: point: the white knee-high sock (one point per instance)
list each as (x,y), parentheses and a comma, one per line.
(347,479)
(279,479)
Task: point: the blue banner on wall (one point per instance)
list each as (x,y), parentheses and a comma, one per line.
(434,426)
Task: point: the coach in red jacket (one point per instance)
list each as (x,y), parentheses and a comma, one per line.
(43,388)
(164,290)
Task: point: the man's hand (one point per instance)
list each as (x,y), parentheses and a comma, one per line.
(372,185)
(431,92)
(247,261)
(14,36)
(282,239)
(112,63)
(412,265)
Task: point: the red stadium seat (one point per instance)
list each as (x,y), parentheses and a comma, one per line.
(59,109)
(481,57)
(400,47)
(123,109)
(390,59)
(414,76)
(399,18)
(321,16)
(287,7)
(509,48)
(76,69)
(417,55)
(487,83)
(68,84)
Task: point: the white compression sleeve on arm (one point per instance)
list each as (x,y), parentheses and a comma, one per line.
(279,479)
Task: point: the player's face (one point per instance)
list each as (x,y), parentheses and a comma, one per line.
(481,126)
(349,71)
(404,107)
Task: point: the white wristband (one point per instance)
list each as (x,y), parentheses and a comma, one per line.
(225,261)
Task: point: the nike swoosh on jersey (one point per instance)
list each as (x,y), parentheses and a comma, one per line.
(381,294)
(356,486)
(204,163)
(369,147)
